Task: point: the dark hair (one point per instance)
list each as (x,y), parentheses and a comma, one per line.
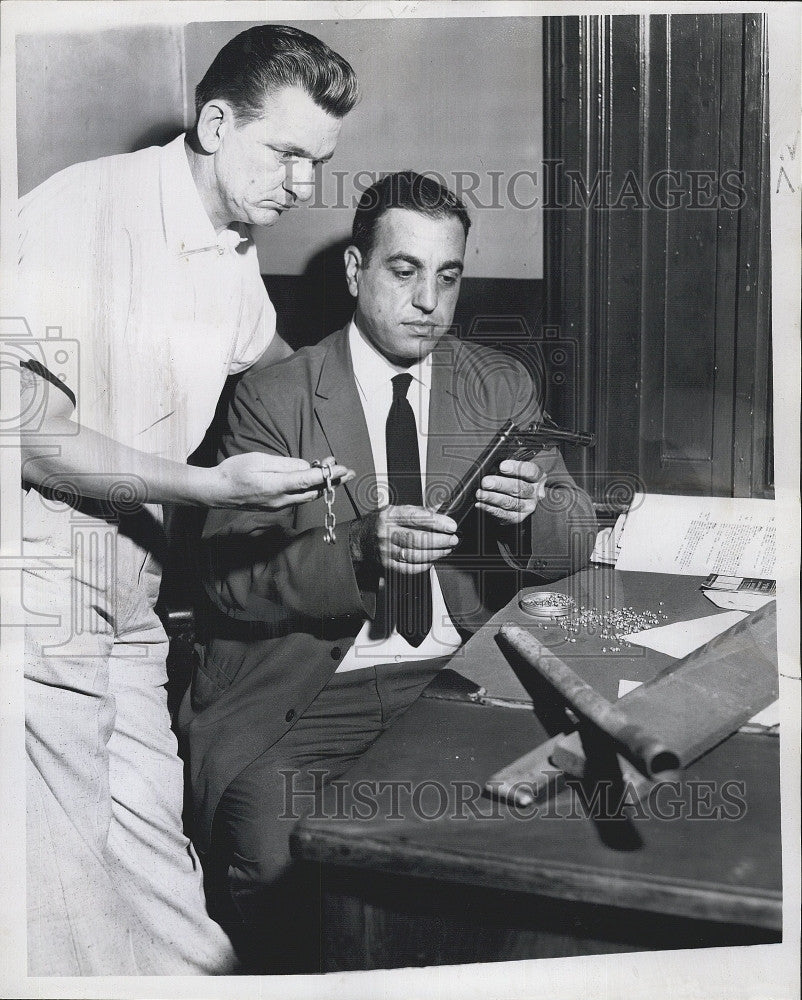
(420,193)
(262,60)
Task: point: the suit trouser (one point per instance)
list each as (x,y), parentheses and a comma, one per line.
(114,887)
(262,805)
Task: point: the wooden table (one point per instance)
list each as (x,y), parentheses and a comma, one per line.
(418,869)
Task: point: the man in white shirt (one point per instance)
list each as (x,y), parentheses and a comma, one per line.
(145,263)
(320,646)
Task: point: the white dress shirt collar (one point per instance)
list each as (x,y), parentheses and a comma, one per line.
(372,370)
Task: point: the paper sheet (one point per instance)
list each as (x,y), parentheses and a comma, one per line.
(681,638)
(694,536)
(770,716)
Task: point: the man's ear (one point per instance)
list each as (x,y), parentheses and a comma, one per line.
(353,268)
(214,120)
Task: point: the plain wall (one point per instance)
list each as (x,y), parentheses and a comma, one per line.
(447,95)
(81,96)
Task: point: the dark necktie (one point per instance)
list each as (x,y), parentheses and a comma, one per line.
(409,598)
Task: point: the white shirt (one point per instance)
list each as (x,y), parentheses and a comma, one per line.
(374,374)
(154,307)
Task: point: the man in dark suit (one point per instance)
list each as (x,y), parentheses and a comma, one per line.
(315,648)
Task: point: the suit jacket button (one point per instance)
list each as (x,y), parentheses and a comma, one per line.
(290,715)
(336,652)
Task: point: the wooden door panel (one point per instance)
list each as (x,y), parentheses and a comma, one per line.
(664,286)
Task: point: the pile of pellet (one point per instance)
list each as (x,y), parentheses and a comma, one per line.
(615,624)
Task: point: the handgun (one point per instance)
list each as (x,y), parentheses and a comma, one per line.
(519,444)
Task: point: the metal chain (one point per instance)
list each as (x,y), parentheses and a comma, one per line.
(330,521)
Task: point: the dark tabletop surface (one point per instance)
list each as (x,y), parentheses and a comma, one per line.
(708,847)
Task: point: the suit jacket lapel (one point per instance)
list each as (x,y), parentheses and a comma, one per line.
(342,420)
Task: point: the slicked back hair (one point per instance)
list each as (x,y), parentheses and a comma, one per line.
(262,60)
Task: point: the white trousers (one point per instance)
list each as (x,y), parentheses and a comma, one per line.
(114,887)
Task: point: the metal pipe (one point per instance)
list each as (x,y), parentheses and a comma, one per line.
(643,750)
